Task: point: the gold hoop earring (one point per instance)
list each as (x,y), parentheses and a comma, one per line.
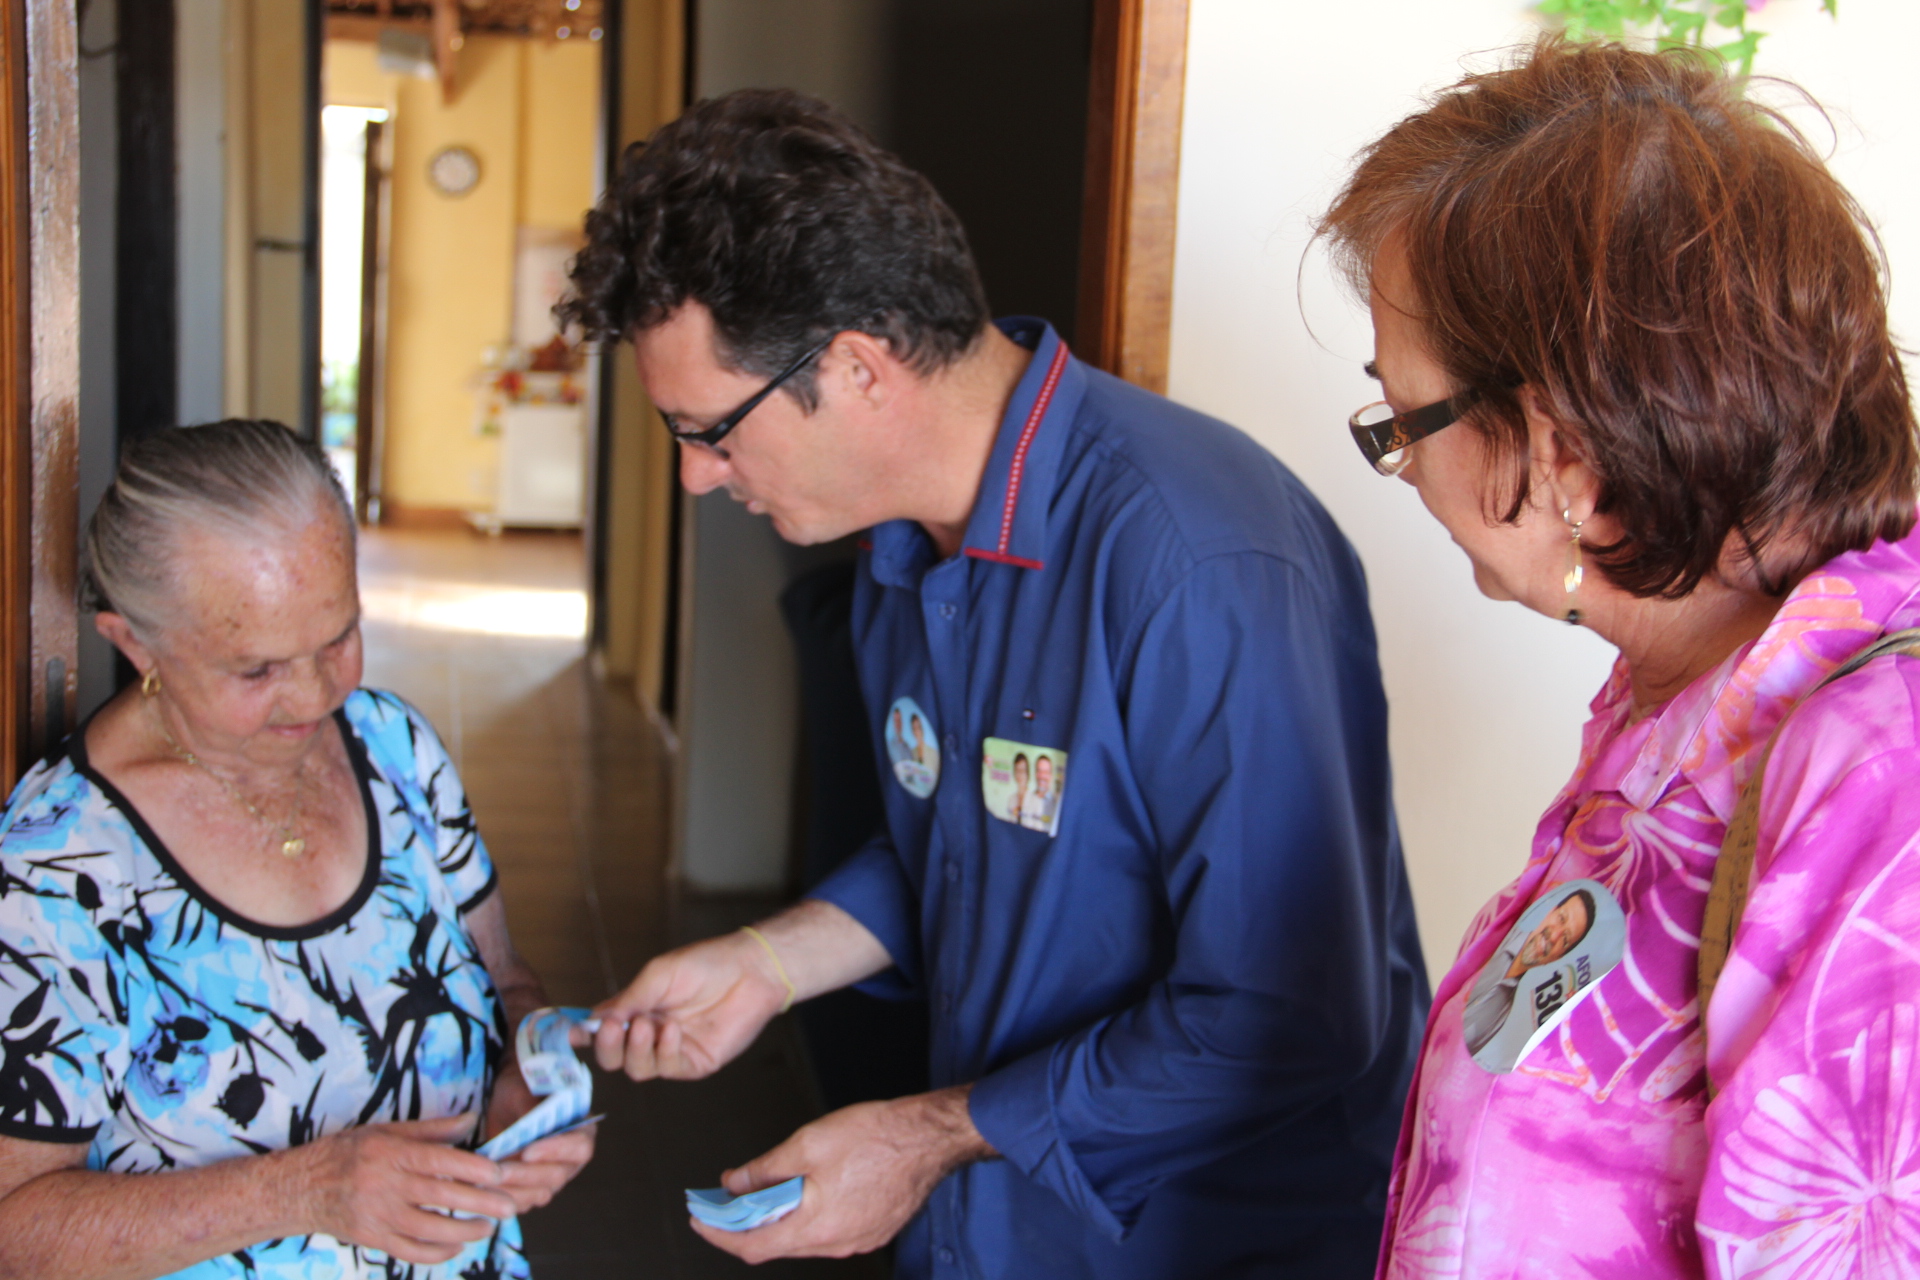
(150,683)
(1576,571)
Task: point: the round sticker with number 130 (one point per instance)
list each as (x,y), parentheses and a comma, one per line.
(1560,947)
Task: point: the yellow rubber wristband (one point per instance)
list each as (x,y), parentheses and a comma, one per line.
(774,956)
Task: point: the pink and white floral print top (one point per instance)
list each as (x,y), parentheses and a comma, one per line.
(1598,1156)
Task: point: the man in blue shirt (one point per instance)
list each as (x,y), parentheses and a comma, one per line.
(1173,1025)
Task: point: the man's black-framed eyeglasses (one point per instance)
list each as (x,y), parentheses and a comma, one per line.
(1385,436)
(710,437)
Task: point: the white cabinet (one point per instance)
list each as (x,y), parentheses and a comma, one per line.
(543,466)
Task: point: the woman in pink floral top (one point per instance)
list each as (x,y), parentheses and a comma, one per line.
(1660,327)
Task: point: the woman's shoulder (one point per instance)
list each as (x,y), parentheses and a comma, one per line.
(400,740)
(374,708)
(56,803)
(1864,714)
(65,849)
(1848,756)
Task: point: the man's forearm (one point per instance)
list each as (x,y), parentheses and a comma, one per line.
(945,1117)
(821,948)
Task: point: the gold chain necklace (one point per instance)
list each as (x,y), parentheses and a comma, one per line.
(292,844)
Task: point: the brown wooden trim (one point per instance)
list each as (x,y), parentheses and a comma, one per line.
(366,440)
(15,360)
(53,153)
(1132,187)
(313,54)
(404,515)
(367,27)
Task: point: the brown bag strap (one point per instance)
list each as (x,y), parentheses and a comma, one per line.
(1733,871)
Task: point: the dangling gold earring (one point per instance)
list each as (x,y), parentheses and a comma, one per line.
(1576,571)
(150,683)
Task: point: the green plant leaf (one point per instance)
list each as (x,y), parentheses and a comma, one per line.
(1685,28)
(1739,53)
(1670,24)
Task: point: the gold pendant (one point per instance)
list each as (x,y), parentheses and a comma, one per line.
(293,847)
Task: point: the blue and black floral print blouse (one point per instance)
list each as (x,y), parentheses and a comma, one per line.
(144,1018)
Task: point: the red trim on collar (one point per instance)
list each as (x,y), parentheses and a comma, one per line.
(865,544)
(1019,464)
(999,558)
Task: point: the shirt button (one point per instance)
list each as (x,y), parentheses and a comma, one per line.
(947,611)
(953,744)
(953,872)
(946,1255)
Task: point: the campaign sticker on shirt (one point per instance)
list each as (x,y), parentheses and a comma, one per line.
(1556,951)
(1022,784)
(913,747)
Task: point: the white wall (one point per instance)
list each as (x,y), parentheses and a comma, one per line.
(1861,68)
(1487,699)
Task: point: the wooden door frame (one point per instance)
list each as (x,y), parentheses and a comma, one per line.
(40,364)
(1136,86)
(16,358)
(368,438)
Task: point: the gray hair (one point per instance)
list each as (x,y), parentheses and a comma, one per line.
(241,478)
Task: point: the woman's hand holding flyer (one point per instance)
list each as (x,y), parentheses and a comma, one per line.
(553,1071)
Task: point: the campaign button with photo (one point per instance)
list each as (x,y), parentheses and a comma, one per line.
(913,747)
(1556,952)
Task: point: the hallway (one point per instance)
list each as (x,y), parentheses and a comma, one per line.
(570,783)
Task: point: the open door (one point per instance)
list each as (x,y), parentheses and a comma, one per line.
(638,523)
(40,371)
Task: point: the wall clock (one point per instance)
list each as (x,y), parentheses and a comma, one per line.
(454,171)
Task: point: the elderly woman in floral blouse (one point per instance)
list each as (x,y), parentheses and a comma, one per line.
(1633,346)
(255,975)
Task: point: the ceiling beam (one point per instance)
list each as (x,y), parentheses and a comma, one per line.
(446,43)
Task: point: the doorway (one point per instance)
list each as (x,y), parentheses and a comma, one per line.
(444,245)
(351,198)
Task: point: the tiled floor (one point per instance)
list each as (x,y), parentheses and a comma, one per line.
(570,786)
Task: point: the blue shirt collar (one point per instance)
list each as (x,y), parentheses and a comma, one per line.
(1009,521)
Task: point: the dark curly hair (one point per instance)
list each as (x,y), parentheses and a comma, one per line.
(789,224)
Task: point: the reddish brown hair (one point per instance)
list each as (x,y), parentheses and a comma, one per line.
(1676,274)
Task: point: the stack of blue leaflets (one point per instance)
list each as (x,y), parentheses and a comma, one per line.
(743,1213)
(554,1072)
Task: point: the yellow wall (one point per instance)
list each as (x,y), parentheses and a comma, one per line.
(560,107)
(353,78)
(528,110)
(268,39)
